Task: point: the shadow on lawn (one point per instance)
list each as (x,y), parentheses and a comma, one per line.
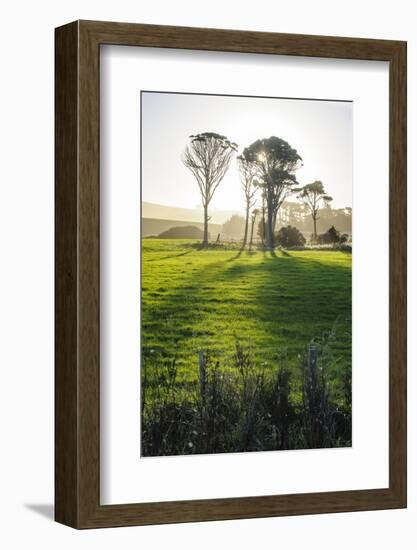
(170,256)
(266,252)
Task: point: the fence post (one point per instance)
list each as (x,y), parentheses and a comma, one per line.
(202,376)
(312,366)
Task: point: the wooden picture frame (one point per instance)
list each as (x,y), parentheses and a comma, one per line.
(77,382)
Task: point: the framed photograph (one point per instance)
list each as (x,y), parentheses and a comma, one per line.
(230,274)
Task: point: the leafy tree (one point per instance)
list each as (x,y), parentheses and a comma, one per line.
(234,226)
(314,196)
(290,236)
(208,157)
(275,161)
(247,172)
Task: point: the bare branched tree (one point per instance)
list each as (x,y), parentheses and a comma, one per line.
(208,157)
(247,172)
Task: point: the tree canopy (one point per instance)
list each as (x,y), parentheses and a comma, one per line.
(275,162)
(314,193)
(272,152)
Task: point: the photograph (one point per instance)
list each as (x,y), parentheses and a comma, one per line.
(218,353)
(246,273)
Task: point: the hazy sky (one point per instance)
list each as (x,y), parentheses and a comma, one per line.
(321,131)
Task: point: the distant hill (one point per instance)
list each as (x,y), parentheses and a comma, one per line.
(153,226)
(161,212)
(182,232)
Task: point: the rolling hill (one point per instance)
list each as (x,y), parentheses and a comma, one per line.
(162,212)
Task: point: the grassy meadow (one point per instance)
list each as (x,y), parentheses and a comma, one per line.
(274,303)
(252,315)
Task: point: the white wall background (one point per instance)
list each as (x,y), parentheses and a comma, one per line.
(26,272)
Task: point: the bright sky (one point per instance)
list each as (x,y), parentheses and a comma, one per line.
(321,131)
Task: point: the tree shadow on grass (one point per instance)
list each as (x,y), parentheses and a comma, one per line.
(170,256)
(251,252)
(282,251)
(236,257)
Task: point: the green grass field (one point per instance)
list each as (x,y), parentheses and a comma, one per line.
(273,303)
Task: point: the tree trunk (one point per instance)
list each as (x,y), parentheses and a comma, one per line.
(274,221)
(251,231)
(314,228)
(245,237)
(270,229)
(205,236)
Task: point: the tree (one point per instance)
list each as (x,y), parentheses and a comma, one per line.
(234,226)
(261,229)
(208,157)
(255,212)
(262,224)
(247,172)
(275,162)
(330,237)
(290,236)
(314,196)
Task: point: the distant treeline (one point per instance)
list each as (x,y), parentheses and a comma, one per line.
(296,214)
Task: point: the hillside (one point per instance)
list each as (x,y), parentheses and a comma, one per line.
(155,226)
(162,212)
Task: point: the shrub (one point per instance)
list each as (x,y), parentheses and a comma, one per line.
(331,236)
(289,236)
(184,232)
